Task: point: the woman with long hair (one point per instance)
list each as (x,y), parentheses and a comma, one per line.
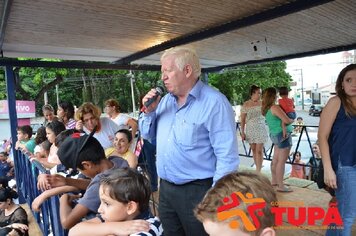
(253,127)
(337,138)
(274,117)
(65,113)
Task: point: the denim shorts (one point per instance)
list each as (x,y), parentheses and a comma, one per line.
(277,139)
(292,115)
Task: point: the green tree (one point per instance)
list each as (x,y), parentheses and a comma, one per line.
(78,85)
(235,83)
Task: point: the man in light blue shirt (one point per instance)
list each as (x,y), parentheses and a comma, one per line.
(194,128)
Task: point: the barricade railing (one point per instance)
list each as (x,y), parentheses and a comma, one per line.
(26,179)
(268,147)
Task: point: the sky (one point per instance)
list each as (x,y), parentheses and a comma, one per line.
(317,71)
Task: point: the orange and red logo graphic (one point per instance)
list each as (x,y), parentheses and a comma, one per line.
(296,213)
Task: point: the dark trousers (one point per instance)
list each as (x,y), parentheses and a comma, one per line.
(176,205)
(147,160)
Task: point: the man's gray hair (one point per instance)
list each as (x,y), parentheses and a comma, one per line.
(184,56)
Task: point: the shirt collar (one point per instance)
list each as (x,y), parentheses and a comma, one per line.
(195,91)
(144,215)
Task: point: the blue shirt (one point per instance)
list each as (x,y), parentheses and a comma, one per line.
(4,168)
(342,140)
(195,141)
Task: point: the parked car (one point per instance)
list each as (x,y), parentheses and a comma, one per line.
(315,110)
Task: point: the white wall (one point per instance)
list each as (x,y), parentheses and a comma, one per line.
(5,132)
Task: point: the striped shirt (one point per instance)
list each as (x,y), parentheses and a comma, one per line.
(71,124)
(155,224)
(155,228)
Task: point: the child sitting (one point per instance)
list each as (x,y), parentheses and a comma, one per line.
(41,136)
(287,105)
(299,125)
(238,183)
(298,168)
(124,208)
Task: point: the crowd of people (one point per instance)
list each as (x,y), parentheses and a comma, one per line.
(91,163)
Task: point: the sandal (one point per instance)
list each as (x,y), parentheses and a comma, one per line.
(284,190)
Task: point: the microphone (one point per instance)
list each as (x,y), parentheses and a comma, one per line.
(159,92)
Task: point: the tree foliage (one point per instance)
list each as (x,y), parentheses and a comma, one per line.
(78,86)
(235,83)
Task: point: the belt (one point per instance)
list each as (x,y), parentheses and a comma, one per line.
(207,181)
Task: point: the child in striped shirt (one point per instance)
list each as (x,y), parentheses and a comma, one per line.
(124,208)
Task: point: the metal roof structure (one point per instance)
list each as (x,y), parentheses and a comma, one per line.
(133,34)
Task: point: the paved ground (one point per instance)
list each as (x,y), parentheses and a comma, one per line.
(304,145)
(308,120)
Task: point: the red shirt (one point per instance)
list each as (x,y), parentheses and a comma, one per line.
(286,104)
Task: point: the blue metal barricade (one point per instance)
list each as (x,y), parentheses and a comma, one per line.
(26,179)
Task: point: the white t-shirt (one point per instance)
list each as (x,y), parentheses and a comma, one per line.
(106,134)
(121,120)
(37,149)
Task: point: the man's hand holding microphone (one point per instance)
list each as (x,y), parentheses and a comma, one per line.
(151,99)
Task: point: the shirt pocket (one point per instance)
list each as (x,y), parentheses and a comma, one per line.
(186,133)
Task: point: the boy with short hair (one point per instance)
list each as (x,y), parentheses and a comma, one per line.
(124,208)
(287,106)
(240,188)
(85,153)
(24,141)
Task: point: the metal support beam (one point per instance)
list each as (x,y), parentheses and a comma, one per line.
(11,101)
(283,58)
(270,14)
(77,65)
(109,66)
(4,19)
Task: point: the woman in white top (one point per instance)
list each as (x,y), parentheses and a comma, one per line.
(112,109)
(88,118)
(253,128)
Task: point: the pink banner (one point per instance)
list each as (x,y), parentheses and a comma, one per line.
(21,107)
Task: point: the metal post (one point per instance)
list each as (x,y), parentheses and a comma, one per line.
(45,98)
(11,101)
(301,78)
(57,95)
(132,77)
